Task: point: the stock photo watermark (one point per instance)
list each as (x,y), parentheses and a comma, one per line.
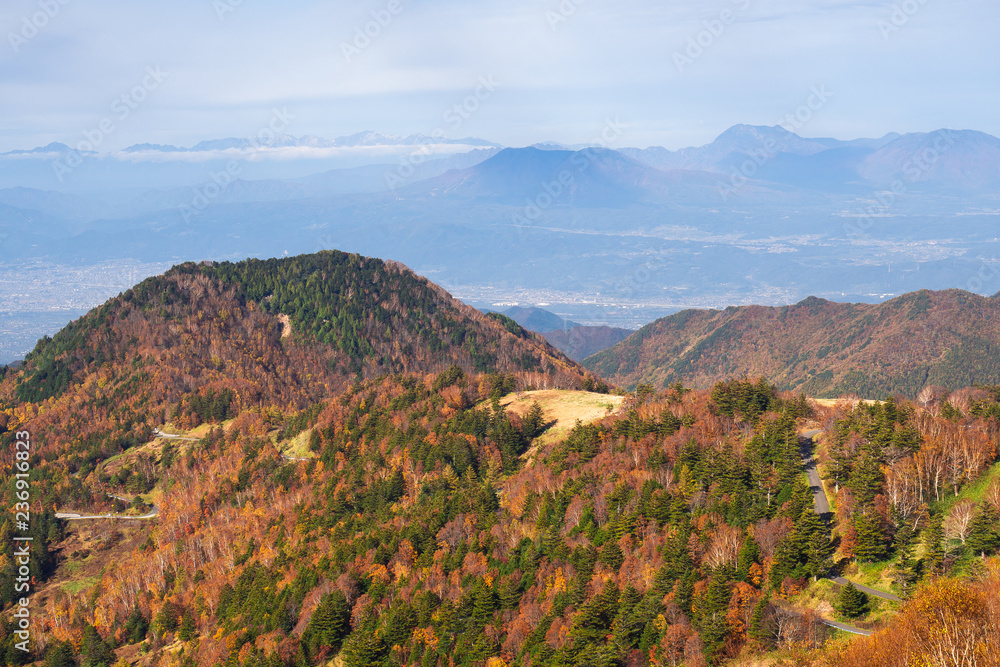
(22,542)
(454,118)
(219,181)
(365,35)
(224,7)
(564,12)
(913,169)
(989,269)
(35,23)
(756,159)
(712,30)
(121,108)
(901,14)
(551,191)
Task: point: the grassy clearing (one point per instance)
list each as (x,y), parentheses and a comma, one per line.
(298,447)
(974,491)
(818,595)
(563,408)
(77,585)
(833,402)
(873,575)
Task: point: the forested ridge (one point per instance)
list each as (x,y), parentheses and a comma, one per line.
(205,342)
(819,347)
(421,523)
(428,531)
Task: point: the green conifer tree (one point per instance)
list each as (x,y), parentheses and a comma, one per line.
(851,602)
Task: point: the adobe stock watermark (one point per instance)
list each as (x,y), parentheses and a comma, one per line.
(121,108)
(365,35)
(913,169)
(901,14)
(22,542)
(989,269)
(712,31)
(564,12)
(551,191)
(32,25)
(454,118)
(224,7)
(756,159)
(219,181)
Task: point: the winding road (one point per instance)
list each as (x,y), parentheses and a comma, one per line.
(821,505)
(73,516)
(160,434)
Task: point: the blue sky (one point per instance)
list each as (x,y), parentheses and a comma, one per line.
(563,68)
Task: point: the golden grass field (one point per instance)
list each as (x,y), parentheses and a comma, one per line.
(563,407)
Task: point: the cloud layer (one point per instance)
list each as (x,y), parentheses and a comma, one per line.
(675,74)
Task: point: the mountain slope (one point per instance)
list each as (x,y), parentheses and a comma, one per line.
(211,340)
(823,348)
(538,320)
(594,177)
(944,159)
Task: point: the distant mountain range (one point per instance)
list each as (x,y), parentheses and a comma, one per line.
(954,159)
(574,340)
(760,215)
(537,319)
(949,338)
(367,138)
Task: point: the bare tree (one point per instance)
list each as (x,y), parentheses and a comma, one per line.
(956,526)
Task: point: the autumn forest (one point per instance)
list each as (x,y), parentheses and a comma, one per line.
(327,460)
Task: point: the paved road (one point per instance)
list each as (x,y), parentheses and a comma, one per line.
(871,591)
(845,627)
(820,502)
(73,516)
(821,505)
(160,434)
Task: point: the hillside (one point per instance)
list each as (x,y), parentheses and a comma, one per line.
(360,469)
(819,347)
(434,527)
(208,342)
(538,320)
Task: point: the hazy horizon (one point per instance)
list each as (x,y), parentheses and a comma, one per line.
(673,76)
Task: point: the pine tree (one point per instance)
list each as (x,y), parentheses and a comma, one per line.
(188,628)
(871,544)
(749,554)
(611,555)
(534,422)
(984,532)
(851,602)
(94,651)
(934,544)
(816,545)
(906,571)
(330,623)
(711,614)
(759,630)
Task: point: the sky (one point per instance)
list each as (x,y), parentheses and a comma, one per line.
(672,73)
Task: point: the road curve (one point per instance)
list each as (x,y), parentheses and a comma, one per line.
(845,627)
(160,434)
(821,505)
(820,502)
(871,591)
(74,516)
